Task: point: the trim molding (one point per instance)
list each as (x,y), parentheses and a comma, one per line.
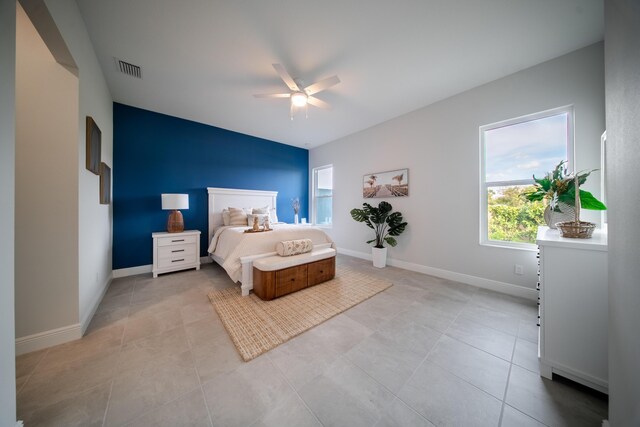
(132,271)
(142,269)
(85,320)
(480,282)
(48,338)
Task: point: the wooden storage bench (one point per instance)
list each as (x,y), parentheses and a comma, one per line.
(276,276)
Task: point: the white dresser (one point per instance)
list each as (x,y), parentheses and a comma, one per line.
(175,251)
(573,307)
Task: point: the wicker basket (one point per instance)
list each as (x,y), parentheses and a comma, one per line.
(576,230)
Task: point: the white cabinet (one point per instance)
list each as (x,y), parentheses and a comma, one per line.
(175,251)
(573,307)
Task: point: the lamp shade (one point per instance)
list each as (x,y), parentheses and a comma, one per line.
(175,201)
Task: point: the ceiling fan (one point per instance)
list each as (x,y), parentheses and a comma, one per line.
(299,95)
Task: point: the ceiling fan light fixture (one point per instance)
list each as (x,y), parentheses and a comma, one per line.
(299,99)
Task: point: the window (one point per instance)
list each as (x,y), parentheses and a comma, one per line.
(323,195)
(512,152)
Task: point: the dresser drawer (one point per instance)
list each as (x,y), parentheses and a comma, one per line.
(176,261)
(177,251)
(321,271)
(291,280)
(176,240)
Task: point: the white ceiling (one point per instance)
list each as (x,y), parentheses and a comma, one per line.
(203,60)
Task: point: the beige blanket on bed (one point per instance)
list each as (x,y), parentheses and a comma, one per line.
(231,243)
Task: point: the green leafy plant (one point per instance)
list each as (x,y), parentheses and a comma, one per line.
(559,186)
(382,221)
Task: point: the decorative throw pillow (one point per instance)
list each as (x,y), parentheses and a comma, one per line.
(294,247)
(226,217)
(261,218)
(260,210)
(237,216)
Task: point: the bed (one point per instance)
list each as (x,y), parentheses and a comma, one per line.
(235,250)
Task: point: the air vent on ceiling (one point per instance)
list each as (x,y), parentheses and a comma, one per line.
(128,68)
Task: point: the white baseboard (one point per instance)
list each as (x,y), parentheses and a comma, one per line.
(142,269)
(480,282)
(132,271)
(48,339)
(85,319)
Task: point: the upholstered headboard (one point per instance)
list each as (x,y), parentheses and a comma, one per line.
(222,198)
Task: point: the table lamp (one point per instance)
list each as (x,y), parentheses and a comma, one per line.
(173,202)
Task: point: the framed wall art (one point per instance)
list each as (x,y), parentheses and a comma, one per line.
(94,146)
(105,184)
(386,184)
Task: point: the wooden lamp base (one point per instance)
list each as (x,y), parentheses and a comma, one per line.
(175,223)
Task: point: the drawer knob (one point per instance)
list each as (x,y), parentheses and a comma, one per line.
(293,280)
(177,260)
(178,250)
(321,271)
(179,240)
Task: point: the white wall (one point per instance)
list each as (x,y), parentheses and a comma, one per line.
(46,181)
(440,146)
(7,194)
(94,219)
(622,64)
(81,244)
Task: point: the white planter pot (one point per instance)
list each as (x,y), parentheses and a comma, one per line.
(379,256)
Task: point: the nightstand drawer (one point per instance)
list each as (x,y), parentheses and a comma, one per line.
(176,240)
(176,261)
(177,251)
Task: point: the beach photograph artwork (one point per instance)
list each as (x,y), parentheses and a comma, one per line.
(386,184)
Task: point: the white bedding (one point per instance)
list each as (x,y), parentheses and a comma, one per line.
(229,243)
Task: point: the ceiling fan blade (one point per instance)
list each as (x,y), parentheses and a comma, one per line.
(318,103)
(286,78)
(273,95)
(322,85)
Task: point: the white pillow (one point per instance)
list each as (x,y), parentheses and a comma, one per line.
(226,217)
(237,216)
(260,210)
(261,218)
(273,216)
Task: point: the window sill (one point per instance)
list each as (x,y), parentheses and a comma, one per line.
(529,247)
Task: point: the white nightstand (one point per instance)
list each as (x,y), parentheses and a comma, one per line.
(175,251)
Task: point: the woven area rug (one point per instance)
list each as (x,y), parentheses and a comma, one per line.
(257,326)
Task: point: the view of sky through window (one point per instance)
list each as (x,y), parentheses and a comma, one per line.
(519,151)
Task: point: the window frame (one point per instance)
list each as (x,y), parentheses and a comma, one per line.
(484,185)
(315,197)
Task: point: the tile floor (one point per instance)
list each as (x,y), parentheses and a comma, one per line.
(425,352)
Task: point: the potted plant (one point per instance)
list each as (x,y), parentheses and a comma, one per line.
(386,225)
(558,189)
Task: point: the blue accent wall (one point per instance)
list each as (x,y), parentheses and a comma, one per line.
(154,153)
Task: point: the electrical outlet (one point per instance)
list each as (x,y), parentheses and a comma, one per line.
(519,270)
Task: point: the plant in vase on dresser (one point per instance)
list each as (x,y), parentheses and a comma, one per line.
(558,190)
